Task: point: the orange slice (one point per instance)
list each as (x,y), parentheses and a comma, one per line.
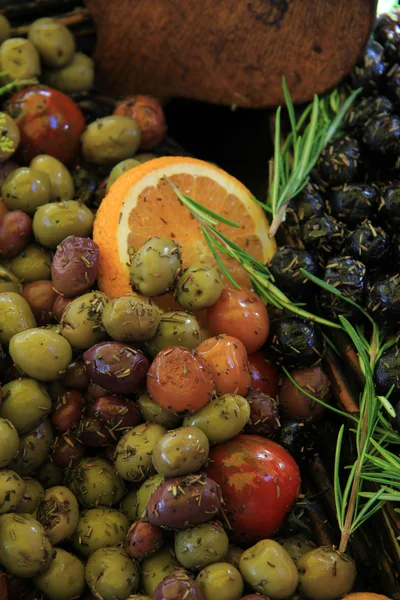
(141,204)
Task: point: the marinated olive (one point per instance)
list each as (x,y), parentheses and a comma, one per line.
(144,494)
(64,579)
(111,139)
(75,77)
(220,581)
(297,343)
(9,441)
(154,413)
(176,586)
(58,513)
(264,414)
(8,281)
(9,130)
(133,455)
(54,42)
(227,358)
(41,353)
(149,114)
(181,452)
(184,502)
(130,319)
(34,492)
(198,287)
(325,574)
(268,569)
(40,295)
(68,410)
(155,266)
(12,488)
(111,574)
(202,545)
(19,59)
(55,221)
(75,376)
(95,482)
(296,404)
(143,540)
(25,403)
(33,449)
(296,546)
(25,550)
(93,433)
(81,320)
(61,182)
(26,189)
(157,567)
(15,316)
(98,528)
(176,328)
(67,451)
(15,233)
(50,475)
(32,264)
(120,169)
(74,266)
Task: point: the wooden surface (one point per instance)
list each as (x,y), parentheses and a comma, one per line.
(231,52)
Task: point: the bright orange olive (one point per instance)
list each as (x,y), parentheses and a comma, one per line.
(228,362)
(242,314)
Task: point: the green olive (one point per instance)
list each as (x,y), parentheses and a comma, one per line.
(296,546)
(64,579)
(269,570)
(12,488)
(15,316)
(25,403)
(157,567)
(9,129)
(121,168)
(99,527)
(129,505)
(180,452)
(154,413)
(58,513)
(222,418)
(61,182)
(220,581)
(176,328)
(325,574)
(198,287)
(130,319)
(76,77)
(95,483)
(55,221)
(9,441)
(33,449)
(41,353)
(5,29)
(54,42)
(19,59)
(50,475)
(202,545)
(26,189)
(155,266)
(111,574)
(8,281)
(233,555)
(32,264)
(81,320)
(144,494)
(143,157)
(33,494)
(133,454)
(111,139)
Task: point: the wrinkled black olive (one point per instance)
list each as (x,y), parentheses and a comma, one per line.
(383,301)
(298,439)
(347,275)
(285,266)
(364,109)
(368,244)
(323,234)
(353,203)
(339,162)
(370,68)
(387,33)
(296,342)
(387,372)
(389,207)
(381,133)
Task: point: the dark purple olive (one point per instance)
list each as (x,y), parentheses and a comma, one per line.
(93,433)
(176,587)
(68,410)
(96,391)
(116,366)
(339,161)
(67,451)
(118,413)
(75,265)
(75,375)
(264,415)
(15,233)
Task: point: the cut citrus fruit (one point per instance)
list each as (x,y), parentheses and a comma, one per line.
(141,204)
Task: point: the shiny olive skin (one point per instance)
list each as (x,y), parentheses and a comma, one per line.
(129,504)
(269,570)
(19,59)
(15,316)
(154,413)
(12,488)
(26,189)
(55,221)
(8,281)
(220,581)
(222,418)
(97,528)
(296,405)
(15,233)
(155,266)
(40,295)
(75,77)
(64,579)
(58,513)
(22,535)
(325,574)
(34,492)
(9,441)
(67,451)
(75,265)
(68,410)
(33,449)
(41,353)
(111,574)
(130,319)
(53,40)
(111,139)
(177,586)
(143,539)
(264,414)
(176,328)
(119,414)
(180,452)
(95,482)
(157,567)
(198,287)
(81,320)
(61,182)
(25,403)
(116,366)
(197,500)
(93,433)
(32,264)
(133,455)
(9,129)
(119,169)
(75,376)
(202,545)
(144,494)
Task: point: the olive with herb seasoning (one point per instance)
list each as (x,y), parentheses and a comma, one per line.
(154,413)
(296,342)
(74,267)
(25,403)
(368,244)
(382,301)
(55,221)
(133,455)
(26,189)
(155,266)
(64,579)
(12,488)
(353,203)
(53,40)
(110,140)
(325,573)
(9,282)
(158,567)
(111,574)
(370,68)
(32,264)
(9,441)
(143,539)
(15,316)
(176,586)
(99,528)
(176,328)
(95,482)
(58,513)
(81,320)
(220,581)
(119,169)
(198,287)
(339,162)
(202,545)
(348,276)
(131,319)
(61,182)
(144,494)
(180,452)
(34,492)
(264,414)
(33,449)
(322,234)
(285,267)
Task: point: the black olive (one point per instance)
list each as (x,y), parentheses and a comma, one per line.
(387,33)
(362,111)
(368,244)
(393,83)
(381,133)
(285,266)
(389,207)
(308,203)
(323,234)
(297,438)
(340,161)
(347,275)
(387,372)
(370,68)
(383,301)
(353,203)
(296,342)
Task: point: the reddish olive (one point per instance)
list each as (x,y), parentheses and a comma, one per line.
(75,376)
(15,233)
(68,410)
(176,587)
(264,414)
(118,413)
(60,304)
(143,539)
(149,114)
(67,451)
(40,296)
(264,375)
(294,403)
(74,266)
